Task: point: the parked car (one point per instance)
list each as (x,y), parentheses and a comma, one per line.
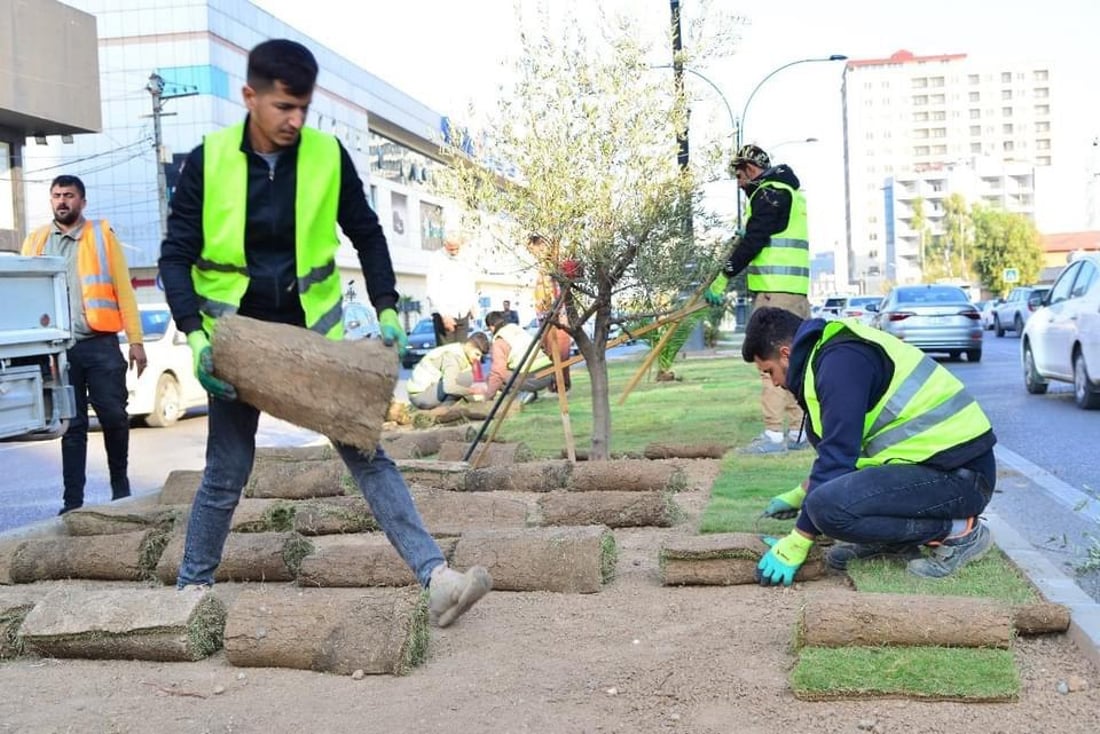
(861,307)
(421,341)
(167,388)
(1062,338)
(1012,313)
(933,318)
(986,308)
(832,307)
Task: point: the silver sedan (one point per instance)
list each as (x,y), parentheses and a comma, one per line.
(933,318)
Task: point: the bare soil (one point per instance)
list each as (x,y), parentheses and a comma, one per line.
(636,657)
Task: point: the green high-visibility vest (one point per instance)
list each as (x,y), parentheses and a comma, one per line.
(220,275)
(783,266)
(925,409)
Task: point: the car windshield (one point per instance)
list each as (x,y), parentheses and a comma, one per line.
(424,327)
(154,324)
(834,302)
(931,296)
(863,301)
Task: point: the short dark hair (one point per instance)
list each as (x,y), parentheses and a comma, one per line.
(493,319)
(479,340)
(67,181)
(282,60)
(768,330)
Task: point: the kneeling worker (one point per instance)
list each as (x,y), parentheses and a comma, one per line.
(446,374)
(510,344)
(904,453)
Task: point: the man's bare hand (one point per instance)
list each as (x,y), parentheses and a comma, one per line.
(138,359)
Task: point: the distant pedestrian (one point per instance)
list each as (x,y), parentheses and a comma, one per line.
(101,304)
(451,289)
(510,314)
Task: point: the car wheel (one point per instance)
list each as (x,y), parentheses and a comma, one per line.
(1018,325)
(973,355)
(997,328)
(166,407)
(1086,397)
(1034,384)
(954,356)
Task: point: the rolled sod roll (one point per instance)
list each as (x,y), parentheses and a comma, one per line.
(180,487)
(119,557)
(1040,618)
(496,454)
(296,480)
(253,515)
(314,452)
(659,450)
(871,619)
(114,519)
(246,557)
(125,624)
(566,559)
(15,604)
(529,476)
(449,475)
(333,515)
(723,559)
(365,559)
(614,509)
(341,389)
(378,631)
(626,475)
(419,444)
(452,513)
(8,551)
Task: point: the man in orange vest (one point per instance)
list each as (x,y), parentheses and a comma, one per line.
(101,304)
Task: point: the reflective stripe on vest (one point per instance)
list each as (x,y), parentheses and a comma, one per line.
(925,409)
(429,369)
(518,341)
(93,267)
(220,275)
(783,265)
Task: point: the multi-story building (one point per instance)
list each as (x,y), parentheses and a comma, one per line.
(908,114)
(193,53)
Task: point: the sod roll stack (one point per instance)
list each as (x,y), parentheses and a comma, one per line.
(180,487)
(626,475)
(121,557)
(115,519)
(125,623)
(247,557)
(566,559)
(341,389)
(530,476)
(613,509)
(378,631)
(486,454)
(723,559)
(449,475)
(364,559)
(295,480)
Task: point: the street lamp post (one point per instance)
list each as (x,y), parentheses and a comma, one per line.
(745,110)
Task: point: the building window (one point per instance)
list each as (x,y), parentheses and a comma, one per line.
(937,81)
(938,99)
(975,147)
(1007,128)
(939,132)
(1042,127)
(1006,77)
(975,114)
(920,117)
(1041,93)
(920,133)
(431,226)
(975,96)
(939,150)
(1042,110)
(1006,112)
(1006,94)
(920,83)
(1043,160)
(939,115)
(920,150)
(1009,146)
(975,130)
(920,99)
(1041,75)
(1042,144)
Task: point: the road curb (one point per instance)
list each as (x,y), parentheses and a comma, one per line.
(1055,585)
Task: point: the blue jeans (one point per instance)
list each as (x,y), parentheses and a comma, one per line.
(896,503)
(97,372)
(230,451)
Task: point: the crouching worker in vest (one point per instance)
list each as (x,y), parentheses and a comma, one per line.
(510,345)
(253,231)
(904,454)
(446,374)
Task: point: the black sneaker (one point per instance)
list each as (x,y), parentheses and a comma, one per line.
(840,555)
(953,554)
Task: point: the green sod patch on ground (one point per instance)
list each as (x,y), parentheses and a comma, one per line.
(932,673)
(992,577)
(743,488)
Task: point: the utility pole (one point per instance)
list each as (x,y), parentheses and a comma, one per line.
(156,88)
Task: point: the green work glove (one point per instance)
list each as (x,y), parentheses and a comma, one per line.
(781,563)
(785,506)
(202,356)
(716,294)
(392,333)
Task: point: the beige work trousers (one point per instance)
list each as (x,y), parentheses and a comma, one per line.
(777,402)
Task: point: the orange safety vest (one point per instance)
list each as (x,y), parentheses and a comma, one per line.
(94,254)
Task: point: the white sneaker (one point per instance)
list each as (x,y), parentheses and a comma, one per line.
(451,593)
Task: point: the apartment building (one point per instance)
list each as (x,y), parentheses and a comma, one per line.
(922,125)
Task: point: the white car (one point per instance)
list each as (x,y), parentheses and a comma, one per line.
(168,387)
(1061,340)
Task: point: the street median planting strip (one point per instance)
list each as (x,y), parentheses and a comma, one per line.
(377,631)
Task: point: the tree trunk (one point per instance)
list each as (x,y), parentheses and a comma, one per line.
(596,360)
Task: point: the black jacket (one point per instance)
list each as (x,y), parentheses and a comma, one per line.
(850,377)
(269,239)
(771,210)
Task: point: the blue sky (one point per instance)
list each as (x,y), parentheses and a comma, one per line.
(448,53)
